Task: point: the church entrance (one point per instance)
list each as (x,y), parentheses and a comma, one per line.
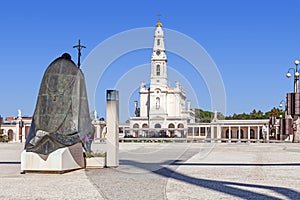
(136,130)
(144,129)
(159,132)
(181,129)
(171,130)
(10,134)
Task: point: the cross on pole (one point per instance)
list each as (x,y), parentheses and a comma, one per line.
(79,47)
(158,15)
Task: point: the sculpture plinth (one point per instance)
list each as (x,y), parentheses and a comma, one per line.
(60,122)
(62,160)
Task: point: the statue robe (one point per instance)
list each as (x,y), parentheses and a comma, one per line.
(61,117)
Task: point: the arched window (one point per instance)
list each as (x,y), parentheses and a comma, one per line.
(136,131)
(252,134)
(157,126)
(227,134)
(171,132)
(158,42)
(10,134)
(242,134)
(181,127)
(157,70)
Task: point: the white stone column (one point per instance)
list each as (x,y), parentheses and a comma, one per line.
(239,136)
(17,133)
(229,136)
(258,133)
(23,134)
(268,137)
(112,117)
(212,132)
(219,133)
(248,133)
(98,131)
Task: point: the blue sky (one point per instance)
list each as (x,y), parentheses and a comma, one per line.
(253,43)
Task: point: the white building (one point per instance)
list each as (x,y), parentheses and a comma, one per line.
(16,128)
(163,110)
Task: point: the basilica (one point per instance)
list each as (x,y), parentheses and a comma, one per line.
(164,110)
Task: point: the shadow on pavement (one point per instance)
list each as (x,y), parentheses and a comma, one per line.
(237,164)
(220,186)
(10,163)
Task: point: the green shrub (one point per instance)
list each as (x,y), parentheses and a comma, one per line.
(97,154)
(3,138)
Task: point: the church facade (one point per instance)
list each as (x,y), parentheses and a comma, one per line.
(164,110)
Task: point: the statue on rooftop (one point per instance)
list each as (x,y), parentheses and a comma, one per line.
(61,117)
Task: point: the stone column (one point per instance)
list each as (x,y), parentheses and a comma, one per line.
(229,136)
(16,134)
(112,117)
(219,133)
(268,131)
(212,132)
(248,133)
(23,133)
(258,133)
(239,136)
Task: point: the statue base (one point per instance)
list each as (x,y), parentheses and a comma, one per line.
(60,161)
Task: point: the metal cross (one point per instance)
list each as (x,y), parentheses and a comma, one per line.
(79,47)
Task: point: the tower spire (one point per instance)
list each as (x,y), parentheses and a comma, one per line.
(158,24)
(159,58)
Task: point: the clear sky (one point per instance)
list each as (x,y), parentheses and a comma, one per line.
(253,44)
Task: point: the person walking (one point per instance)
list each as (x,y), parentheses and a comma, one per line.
(264,132)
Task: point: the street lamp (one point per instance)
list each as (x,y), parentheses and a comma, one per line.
(296,76)
(281,104)
(293,103)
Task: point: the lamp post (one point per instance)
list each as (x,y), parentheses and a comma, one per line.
(286,123)
(293,103)
(296,76)
(281,104)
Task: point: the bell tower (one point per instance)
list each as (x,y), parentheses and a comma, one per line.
(159,58)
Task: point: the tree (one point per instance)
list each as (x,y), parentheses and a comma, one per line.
(3,138)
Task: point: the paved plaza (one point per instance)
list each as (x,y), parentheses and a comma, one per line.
(165,171)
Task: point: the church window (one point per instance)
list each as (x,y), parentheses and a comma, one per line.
(157,70)
(158,42)
(157,126)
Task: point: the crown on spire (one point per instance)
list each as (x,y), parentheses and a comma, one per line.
(158,24)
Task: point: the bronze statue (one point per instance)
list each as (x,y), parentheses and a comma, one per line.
(61,117)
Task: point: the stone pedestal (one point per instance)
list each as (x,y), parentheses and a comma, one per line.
(61,160)
(95,162)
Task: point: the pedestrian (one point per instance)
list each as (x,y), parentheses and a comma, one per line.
(87,143)
(264,132)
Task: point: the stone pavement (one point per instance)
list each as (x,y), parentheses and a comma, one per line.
(166,171)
